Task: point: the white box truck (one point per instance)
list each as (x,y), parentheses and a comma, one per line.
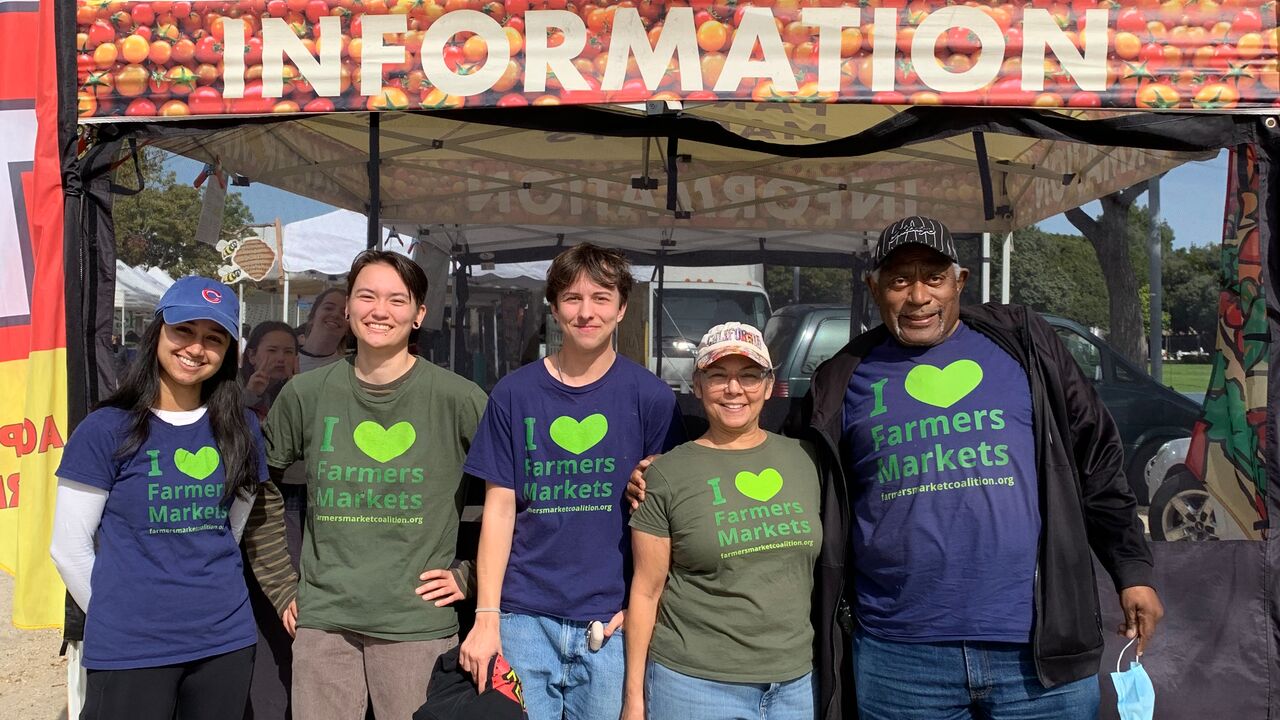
(693,300)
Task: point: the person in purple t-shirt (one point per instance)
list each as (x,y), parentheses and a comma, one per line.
(554,448)
(154,490)
(982,472)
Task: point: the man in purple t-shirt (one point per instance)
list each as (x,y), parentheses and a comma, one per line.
(555,446)
(981,469)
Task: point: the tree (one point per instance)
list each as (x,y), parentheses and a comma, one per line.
(1110,236)
(157,226)
(1191,289)
(1056,274)
(817,285)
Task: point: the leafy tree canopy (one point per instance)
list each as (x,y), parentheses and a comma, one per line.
(157,226)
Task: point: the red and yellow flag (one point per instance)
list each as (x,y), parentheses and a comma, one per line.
(33,377)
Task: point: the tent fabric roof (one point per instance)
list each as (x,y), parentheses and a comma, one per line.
(745,171)
(139,288)
(326,244)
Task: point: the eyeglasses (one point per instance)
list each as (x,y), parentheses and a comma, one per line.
(749,380)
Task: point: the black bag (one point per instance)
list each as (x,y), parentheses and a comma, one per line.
(451,694)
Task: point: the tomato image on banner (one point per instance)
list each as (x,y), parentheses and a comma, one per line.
(247,58)
(1228,444)
(33,382)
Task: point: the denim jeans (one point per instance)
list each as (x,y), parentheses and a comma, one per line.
(561,677)
(961,680)
(669,695)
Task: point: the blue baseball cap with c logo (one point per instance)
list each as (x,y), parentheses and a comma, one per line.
(198,298)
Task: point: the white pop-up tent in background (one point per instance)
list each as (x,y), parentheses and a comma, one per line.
(139,288)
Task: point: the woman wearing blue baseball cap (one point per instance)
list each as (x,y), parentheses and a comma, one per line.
(162,474)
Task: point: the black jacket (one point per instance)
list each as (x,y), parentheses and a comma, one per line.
(1085,503)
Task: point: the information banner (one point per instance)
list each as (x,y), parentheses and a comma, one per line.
(247,57)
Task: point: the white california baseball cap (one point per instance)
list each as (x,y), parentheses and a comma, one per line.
(733,338)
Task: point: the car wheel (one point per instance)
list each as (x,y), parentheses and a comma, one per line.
(1136,470)
(1183,510)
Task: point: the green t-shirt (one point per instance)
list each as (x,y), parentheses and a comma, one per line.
(745,534)
(384,493)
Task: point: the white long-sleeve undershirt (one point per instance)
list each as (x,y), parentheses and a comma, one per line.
(78,513)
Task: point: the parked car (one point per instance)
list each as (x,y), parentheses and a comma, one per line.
(800,338)
(1149,414)
(1181,508)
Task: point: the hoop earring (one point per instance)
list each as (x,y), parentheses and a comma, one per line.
(417,325)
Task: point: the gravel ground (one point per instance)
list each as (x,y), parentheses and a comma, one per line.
(33,678)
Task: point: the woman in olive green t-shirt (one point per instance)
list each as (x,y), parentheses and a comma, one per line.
(726,539)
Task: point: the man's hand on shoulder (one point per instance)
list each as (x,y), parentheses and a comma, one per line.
(634,494)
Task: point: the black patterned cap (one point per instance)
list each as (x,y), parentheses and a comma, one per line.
(915,229)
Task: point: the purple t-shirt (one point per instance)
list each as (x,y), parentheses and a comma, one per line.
(946,509)
(567,453)
(168,585)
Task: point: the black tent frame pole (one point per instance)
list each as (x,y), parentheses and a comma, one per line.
(658,312)
(984,175)
(375,181)
(859,299)
(461,292)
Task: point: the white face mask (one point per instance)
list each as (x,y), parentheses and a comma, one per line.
(1135,695)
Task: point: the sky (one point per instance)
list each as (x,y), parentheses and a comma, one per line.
(1191,201)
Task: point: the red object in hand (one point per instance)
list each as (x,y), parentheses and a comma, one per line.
(505,681)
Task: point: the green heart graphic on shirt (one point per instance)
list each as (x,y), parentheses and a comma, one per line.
(760,487)
(384,444)
(579,436)
(199,464)
(943,387)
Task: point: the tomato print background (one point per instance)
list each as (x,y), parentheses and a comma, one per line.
(246,57)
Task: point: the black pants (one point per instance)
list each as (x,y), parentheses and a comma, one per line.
(213,688)
(269,693)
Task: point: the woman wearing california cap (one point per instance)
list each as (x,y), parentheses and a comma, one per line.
(726,538)
(153,492)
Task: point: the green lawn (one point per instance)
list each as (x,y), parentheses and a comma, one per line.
(1185,377)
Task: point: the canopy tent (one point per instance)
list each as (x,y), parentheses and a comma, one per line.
(326,243)
(1226,575)
(139,288)
(766,174)
(690,183)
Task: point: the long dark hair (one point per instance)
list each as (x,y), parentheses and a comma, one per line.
(139,391)
(263,329)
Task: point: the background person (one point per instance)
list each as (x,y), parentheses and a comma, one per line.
(383,436)
(556,444)
(718,627)
(324,331)
(270,359)
(162,475)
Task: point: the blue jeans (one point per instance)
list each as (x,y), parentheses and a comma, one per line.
(561,677)
(669,695)
(959,681)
